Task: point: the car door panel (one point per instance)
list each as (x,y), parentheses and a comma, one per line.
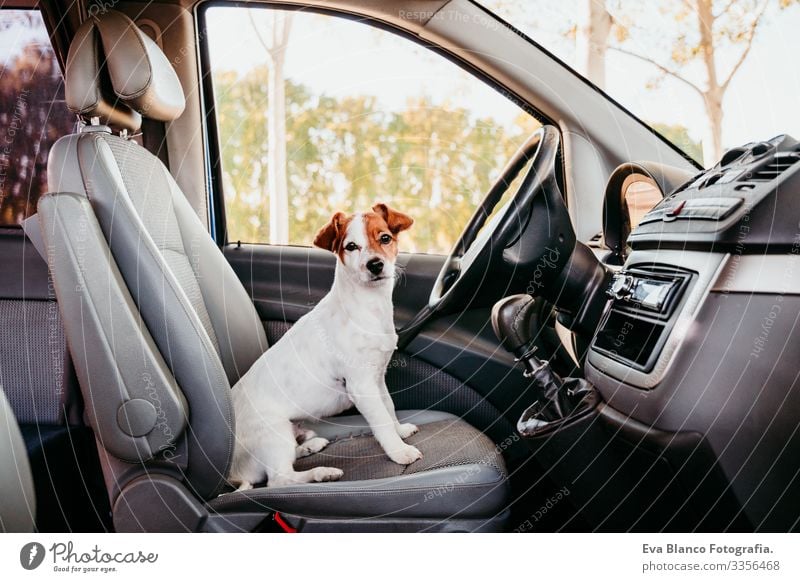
(286,282)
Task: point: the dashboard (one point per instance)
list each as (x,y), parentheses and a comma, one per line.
(701,331)
(746,204)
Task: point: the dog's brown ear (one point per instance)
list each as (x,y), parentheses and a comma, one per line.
(397,221)
(328,236)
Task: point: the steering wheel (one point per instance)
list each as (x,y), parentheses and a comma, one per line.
(531,225)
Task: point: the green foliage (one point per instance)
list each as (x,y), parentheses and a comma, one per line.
(679,135)
(434,161)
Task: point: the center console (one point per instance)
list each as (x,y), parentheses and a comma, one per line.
(700,335)
(639,318)
(620,474)
(694,362)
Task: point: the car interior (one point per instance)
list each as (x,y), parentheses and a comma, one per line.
(609,344)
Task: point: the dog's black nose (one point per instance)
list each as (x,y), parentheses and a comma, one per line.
(375,266)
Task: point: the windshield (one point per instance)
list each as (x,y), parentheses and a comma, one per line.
(706,75)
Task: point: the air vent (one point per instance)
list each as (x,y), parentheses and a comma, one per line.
(687,184)
(711,180)
(774,168)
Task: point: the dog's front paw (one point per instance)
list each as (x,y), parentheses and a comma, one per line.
(309,447)
(320,474)
(407,429)
(405,455)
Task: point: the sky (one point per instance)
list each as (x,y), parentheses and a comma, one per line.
(16,36)
(336,56)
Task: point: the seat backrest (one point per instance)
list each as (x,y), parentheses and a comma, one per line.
(158,324)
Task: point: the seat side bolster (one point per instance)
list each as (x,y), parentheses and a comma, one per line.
(133,402)
(466,491)
(240,333)
(18,501)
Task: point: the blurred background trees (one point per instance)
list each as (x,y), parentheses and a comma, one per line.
(277,25)
(435,162)
(32,115)
(292,157)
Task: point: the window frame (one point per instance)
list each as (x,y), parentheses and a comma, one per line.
(216,194)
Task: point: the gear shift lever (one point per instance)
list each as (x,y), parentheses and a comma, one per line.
(514,320)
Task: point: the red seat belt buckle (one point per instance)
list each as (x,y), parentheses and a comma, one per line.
(283,525)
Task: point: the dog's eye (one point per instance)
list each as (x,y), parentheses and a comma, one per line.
(351,246)
(386,239)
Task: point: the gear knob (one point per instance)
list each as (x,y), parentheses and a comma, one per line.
(513,318)
(559,401)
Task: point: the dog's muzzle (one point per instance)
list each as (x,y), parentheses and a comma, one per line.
(375,266)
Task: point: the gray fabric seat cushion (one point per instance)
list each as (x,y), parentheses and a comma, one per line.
(462,474)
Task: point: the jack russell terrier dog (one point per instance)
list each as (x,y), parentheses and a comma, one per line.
(333,357)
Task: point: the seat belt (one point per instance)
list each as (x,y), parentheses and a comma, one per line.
(154,139)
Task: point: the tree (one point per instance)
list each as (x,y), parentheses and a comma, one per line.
(33,116)
(716,26)
(280,24)
(592,40)
(679,135)
(345,153)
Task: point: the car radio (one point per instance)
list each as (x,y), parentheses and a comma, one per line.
(634,289)
(639,317)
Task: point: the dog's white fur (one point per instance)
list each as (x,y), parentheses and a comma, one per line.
(333,357)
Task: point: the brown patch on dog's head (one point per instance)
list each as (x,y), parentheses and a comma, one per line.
(396,221)
(382,226)
(331,236)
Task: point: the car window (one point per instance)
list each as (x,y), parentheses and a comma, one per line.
(318,113)
(706,75)
(33,114)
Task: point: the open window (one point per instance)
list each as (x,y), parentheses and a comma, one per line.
(316,113)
